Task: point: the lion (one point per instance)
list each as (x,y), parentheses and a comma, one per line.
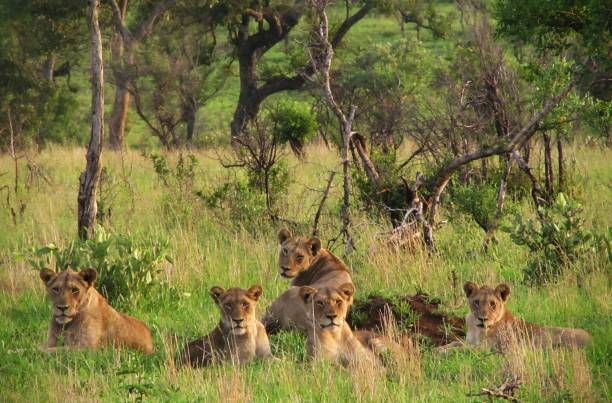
(330,337)
(239,337)
(491,324)
(83,317)
(306,263)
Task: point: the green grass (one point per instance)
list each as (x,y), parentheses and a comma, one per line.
(210,250)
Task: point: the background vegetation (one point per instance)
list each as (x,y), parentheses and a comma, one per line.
(180,210)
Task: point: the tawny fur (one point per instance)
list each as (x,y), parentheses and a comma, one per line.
(84,319)
(307,264)
(491,324)
(239,337)
(330,337)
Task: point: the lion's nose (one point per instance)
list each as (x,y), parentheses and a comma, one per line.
(63,307)
(332,316)
(483,318)
(285,268)
(238,320)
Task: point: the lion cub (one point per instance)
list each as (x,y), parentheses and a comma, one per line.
(329,336)
(239,337)
(84,318)
(491,324)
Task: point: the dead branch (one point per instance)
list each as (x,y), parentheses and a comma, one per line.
(504,391)
(503,146)
(321,55)
(315,224)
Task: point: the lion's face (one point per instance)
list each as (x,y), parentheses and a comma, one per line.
(67,291)
(328,305)
(296,253)
(237,307)
(486,304)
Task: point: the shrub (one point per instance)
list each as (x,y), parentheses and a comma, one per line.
(293,123)
(238,199)
(479,201)
(128,271)
(556,239)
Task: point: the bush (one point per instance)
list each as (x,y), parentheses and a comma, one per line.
(128,271)
(293,123)
(238,199)
(478,201)
(556,239)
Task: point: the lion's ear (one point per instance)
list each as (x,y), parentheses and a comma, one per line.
(47,275)
(315,245)
(347,290)
(283,235)
(503,291)
(216,293)
(88,275)
(306,293)
(255,292)
(470,288)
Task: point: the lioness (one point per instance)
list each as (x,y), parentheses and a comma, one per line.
(239,337)
(491,324)
(84,318)
(330,337)
(307,264)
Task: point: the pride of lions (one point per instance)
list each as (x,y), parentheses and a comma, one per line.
(316,305)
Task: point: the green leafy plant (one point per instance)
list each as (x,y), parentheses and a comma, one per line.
(293,123)
(557,239)
(129,271)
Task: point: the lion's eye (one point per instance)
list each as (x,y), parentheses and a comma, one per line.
(227,306)
(320,304)
(476,302)
(245,305)
(285,251)
(299,258)
(492,304)
(338,302)
(75,291)
(55,290)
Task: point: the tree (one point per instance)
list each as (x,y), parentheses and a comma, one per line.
(123,45)
(580,28)
(35,34)
(273,24)
(90,178)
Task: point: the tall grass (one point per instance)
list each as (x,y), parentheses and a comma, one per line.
(210,250)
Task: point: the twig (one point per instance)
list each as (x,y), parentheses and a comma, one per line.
(315,225)
(505,391)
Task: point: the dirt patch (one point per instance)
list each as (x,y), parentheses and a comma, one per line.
(414,314)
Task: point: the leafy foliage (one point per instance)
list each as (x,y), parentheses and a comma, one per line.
(557,239)
(293,123)
(129,271)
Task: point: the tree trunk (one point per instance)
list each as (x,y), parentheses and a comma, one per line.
(90,178)
(118,118)
(561,163)
(251,47)
(548,168)
(190,118)
(121,58)
(49,68)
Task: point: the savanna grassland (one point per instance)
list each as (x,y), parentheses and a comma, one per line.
(211,236)
(210,249)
